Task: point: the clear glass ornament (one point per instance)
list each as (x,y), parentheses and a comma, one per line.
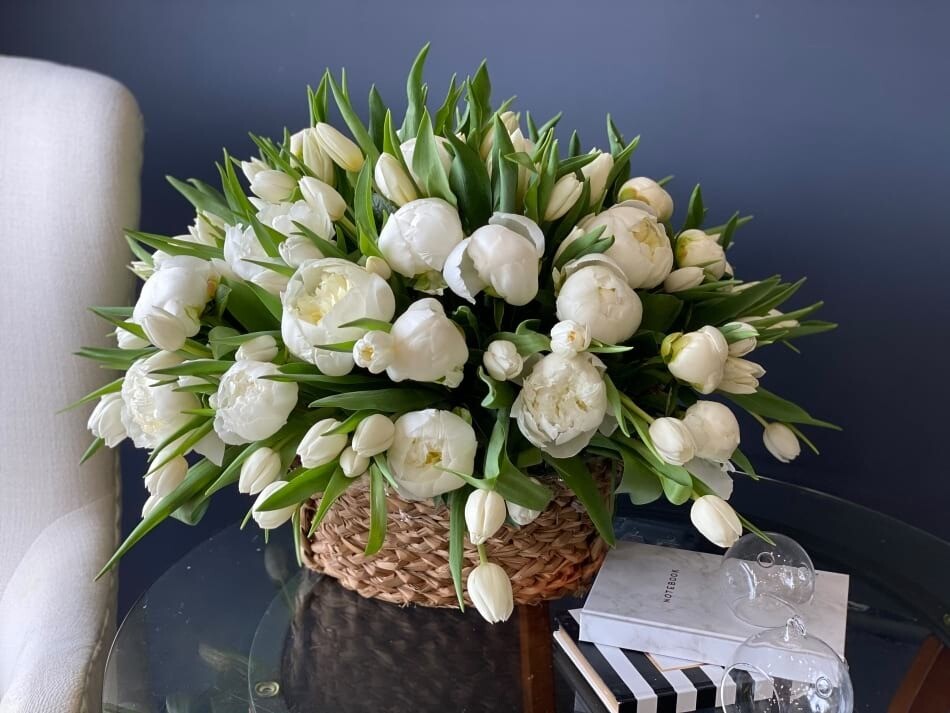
(784,670)
(765,584)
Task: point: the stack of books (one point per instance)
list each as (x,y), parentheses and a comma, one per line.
(656,633)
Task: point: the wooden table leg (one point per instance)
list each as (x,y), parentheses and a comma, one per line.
(926,687)
(537,673)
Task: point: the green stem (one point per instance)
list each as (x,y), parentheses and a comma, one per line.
(759,419)
(348,226)
(482,554)
(628,402)
(193,348)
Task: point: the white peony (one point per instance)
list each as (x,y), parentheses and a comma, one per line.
(321,296)
(596,295)
(502,360)
(418,237)
(562,403)
(154,413)
(248,407)
(426,445)
(569,337)
(427,345)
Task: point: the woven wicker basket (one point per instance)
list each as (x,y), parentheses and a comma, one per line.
(555,556)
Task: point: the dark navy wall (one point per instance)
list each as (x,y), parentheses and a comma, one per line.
(828,121)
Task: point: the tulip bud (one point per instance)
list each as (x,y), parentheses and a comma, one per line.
(271,519)
(252,168)
(672,440)
(650,192)
(317,447)
(297,249)
(521,515)
(683,279)
(148,507)
(739,345)
(342,151)
(378,266)
(597,172)
(785,323)
(569,337)
(164,329)
(373,435)
(408,149)
(714,428)
(698,358)
(322,196)
(305,146)
(563,196)
(696,249)
(374,351)
(740,376)
(490,591)
(502,360)
(484,514)
(271,186)
(105,422)
(259,470)
(393,181)
(163,480)
(262,348)
(510,121)
(352,463)
(781,442)
(716,520)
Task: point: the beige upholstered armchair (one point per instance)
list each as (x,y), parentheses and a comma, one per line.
(70,157)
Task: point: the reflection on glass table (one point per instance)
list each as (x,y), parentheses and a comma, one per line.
(237,626)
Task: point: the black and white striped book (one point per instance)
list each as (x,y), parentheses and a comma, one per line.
(632,682)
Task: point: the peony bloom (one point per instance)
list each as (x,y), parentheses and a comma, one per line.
(105,422)
(503,255)
(781,442)
(393,181)
(672,440)
(502,360)
(259,470)
(698,358)
(153,413)
(373,435)
(427,345)
(740,376)
(596,295)
(648,191)
(489,588)
(597,172)
(248,407)
(240,247)
(271,519)
(262,348)
(694,248)
(418,237)
(716,520)
(714,428)
(426,446)
(321,296)
(305,146)
(562,403)
(319,446)
(569,337)
(684,278)
(484,515)
(341,150)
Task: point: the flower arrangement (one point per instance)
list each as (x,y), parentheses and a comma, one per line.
(446,308)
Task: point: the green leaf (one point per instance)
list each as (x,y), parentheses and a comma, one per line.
(415,94)
(526,340)
(443,115)
(731,307)
(383,400)
(317,100)
(244,305)
(500,394)
(496,445)
(639,481)
(363,204)
(504,175)
(616,407)
(377,114)
(352,120)
(197,367)
(281,268)
(696,212)
(575,474)
(599,347)
(92,450)
(113,357)
(377,512)
(513,485)
(327,247)
(306,483)
(427,165)
(620,171)
(335,488)
(370,324)
(203,197)
(659,311)
(111,388)
(173,246)
(478,90)
(266,236)
(349,424)
(725,237)
(745,465)
(586,244)
(344,347)
(572,164)
(718,229)
(271,302)
(469,181)
(233,191)
(775,408)
(457,540)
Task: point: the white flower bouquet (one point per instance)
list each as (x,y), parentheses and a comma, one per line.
(445,308)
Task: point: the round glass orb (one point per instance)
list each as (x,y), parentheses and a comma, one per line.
(784,670)
(765,584)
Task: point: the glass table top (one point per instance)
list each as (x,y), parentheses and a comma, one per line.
(236,625)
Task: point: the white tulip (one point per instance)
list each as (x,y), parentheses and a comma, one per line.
(252,168)
(503,255)
(297,249)
(271,519)
(172,299)
(262,348)
(781,442)
(672,440)
(305,146)
(716,520)
(374,351)
(270,185)
(171,473)
(259,470)
(484,515)
(408,149)
(521,515)
(714,428)
(597,296)
(696,249)
(510,120)
(339,148)
(418,237)
(698,358)
(427,345)
(489,588)
(684,278)
(502,360)
(785,323)
(163,329)
(426,446)
(562,403)
(321,296)
(373,435)
(319,446)
(240,247)
(740,347)
(205,230)
(378,266)
(564,195)
(249,407)
(126,340)
(569,337)
(650,192)
(393,181)
(597,172)
(105,421)
(282,216)
(641,247)
(740,376)
(153,413)
(321,196)
(353,464)
(150,504)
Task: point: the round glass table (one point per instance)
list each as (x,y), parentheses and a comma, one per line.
(237,626)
